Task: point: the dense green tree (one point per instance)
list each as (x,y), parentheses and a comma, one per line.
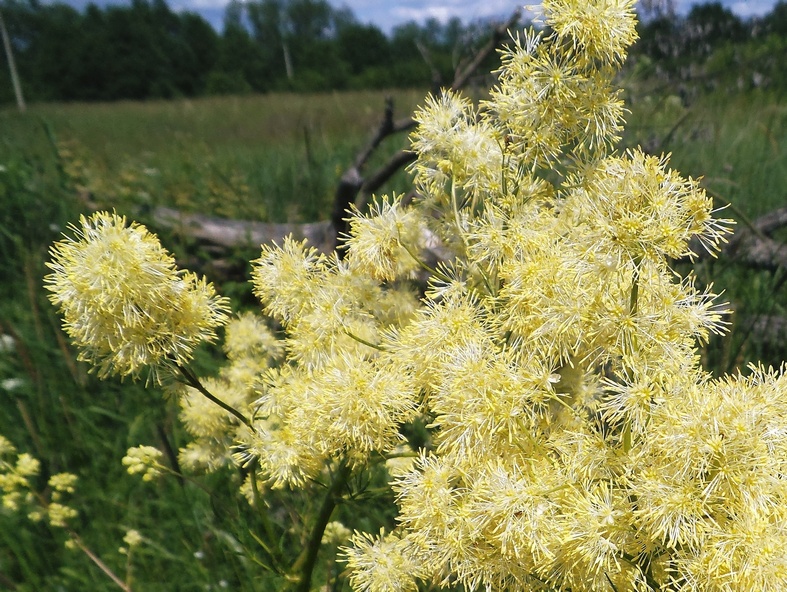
(139,51)
(776,21)
(145,50)
(363,46)
(240,65)
(710,25)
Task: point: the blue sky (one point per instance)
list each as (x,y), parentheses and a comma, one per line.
(386,14)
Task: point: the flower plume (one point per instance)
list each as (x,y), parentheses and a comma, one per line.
(123,301)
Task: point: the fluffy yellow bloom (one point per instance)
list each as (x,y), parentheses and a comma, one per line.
(19,493)
(455,144)
(636,204)
(382,564)
(368,400)
(144,460)
(385,243)
(27,465)
(6,447)
(283,278)
(15,476)
(133,538)
(63,482)
(203,418)
(600,30)
(715,453)
(340,316)
(124,304)
(336,533)
(248,336)
(59,515)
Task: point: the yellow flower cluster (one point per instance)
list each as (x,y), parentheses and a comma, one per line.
(573,442)
(17,485)
(576,444)
(251,348)
(123,301)
(145,461)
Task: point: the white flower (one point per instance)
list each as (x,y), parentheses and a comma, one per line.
(7,343)
(11,384)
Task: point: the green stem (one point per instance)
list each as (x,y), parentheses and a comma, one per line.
(192,380)
(457,217)
(633,303)
(304,565)
(266,523)
(97,560)
(363,341)
(422,264)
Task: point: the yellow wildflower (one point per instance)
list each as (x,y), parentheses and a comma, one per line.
(124,304)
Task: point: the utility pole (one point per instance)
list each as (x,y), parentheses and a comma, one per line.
(20,100)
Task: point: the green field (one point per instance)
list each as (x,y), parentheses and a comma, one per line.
(270,158)
(265,157)
(279,157)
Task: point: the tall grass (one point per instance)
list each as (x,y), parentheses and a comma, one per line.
(265,157)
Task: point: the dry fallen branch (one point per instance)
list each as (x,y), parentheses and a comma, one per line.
(223,232)
(752,246)
(354,188)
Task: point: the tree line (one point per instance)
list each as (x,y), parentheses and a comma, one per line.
(713,48)
(146,50)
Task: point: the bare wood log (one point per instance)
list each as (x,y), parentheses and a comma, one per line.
(748,245)
(228,233)
(751,245)
(772,221)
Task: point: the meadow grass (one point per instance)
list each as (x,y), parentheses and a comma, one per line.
(264,157)
(736,144)
(276,158)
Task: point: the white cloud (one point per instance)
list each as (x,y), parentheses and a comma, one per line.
(444,11)
(746,9)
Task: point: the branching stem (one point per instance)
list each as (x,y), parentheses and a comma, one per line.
(363,341)
(304,564)
(97,560)
(194,382)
